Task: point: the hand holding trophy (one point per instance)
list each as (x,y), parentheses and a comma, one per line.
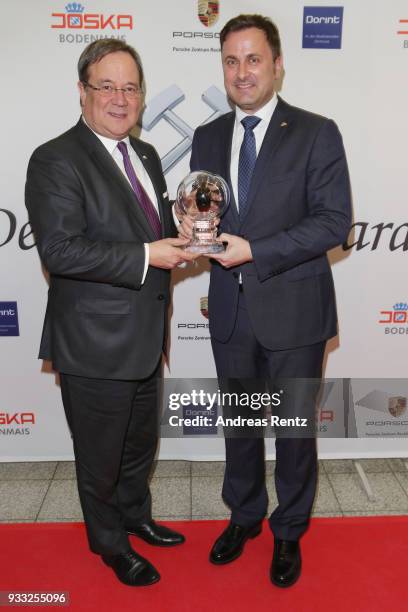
(203,196)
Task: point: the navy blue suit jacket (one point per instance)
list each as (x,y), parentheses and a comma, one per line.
(299,208)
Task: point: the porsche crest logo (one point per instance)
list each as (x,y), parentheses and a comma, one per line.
(397,406)
(208,12)
(204,306)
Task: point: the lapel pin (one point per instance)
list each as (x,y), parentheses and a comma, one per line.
(284,124)
(144,156)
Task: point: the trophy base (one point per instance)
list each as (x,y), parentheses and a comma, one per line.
(205,249)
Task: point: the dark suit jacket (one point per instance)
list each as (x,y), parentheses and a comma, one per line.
(100,321)
(299,207)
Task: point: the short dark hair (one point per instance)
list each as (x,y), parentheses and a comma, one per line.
(97,49)
(243,22)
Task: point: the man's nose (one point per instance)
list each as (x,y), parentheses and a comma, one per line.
(242,70)
(119,97)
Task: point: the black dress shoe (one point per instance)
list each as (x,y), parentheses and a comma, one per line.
(157,535)
(132,569)
(286,563)
(231,542)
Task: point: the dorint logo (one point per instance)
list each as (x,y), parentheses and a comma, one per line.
(9,319)
(322,27)
(201,420)
(76,18)
(208,11)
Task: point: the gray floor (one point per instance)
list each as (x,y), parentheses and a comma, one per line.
(47,491)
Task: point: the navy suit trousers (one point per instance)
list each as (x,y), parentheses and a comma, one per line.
(244,489)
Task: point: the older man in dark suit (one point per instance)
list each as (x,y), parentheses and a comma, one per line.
(98,204)
(271,298)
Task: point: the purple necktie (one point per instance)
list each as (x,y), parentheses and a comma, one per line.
(145,202)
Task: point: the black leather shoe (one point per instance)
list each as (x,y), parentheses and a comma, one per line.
(231,542)
(155,534)
(132,569)
(286,563)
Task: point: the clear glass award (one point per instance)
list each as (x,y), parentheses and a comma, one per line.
(204,197)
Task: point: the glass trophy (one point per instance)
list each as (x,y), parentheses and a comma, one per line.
(203,196)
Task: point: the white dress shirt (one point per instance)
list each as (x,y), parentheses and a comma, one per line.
(265,114)
(111,146)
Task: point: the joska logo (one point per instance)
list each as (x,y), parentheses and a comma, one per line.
(398,314)
(322,27)
(403,31)
(403,23)
(17,418)
(9,319)
(395,320)
(75,18)
(208,11)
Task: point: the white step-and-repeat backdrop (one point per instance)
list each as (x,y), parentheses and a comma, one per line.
(347,61)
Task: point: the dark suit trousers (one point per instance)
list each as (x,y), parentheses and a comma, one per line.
(244,489)
(114,425)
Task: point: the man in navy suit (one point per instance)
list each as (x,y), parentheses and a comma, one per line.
(271,297)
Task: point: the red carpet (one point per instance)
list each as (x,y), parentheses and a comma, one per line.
(349,565)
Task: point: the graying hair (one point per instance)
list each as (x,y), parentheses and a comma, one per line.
(97,49)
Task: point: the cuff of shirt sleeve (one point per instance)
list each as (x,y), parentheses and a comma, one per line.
(146,264)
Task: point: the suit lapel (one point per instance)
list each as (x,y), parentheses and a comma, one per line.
(227,134)
(275,133)
(109,168)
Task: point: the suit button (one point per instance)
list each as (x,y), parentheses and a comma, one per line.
(160,296)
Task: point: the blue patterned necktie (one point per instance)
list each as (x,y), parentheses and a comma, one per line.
(247,160)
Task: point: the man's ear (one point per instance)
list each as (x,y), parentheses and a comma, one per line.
(82,93)
(278,66)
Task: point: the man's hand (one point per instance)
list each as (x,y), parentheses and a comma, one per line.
(167,253)
(238,251)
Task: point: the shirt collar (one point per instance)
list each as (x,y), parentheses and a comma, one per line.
(265,113)
(109,143)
